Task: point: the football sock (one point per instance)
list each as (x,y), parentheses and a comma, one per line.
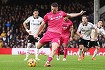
(27,50)
(95,53)
(36,51)
(58,51)
(65,52)
(49,59)
(79,52)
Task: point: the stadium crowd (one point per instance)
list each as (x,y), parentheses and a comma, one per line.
(13,13)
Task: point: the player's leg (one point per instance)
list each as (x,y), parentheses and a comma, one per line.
(52,53)
(83,52)
(81,47)
(65,51)
(96,45)
(95,52)
(86,44)
(65,45)
(54,38)
(58,53)
(38,46)
(36,51)
(59,48)
(28,46)
(27,51)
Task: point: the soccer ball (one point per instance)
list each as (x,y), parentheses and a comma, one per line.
(31,62)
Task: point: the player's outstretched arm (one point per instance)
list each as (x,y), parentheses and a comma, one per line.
(76,14)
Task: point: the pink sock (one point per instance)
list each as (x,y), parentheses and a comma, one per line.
(65,52)
(49,59)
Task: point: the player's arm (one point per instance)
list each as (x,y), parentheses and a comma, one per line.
(40,29)
(79,34)
(76,14)
(78,31)
(103,32)
(25,26)
(72,33)
(94,34)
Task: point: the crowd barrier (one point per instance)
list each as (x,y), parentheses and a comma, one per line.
(46,51)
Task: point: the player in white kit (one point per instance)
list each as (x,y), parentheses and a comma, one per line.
(34,22)
(84,31)
(99,30)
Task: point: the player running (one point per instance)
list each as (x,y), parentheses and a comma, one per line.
(34,22)
(94,37)
(84,31)
(67,27)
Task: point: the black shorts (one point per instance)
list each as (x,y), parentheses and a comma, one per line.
(94,43)
(31,39)
(84,42)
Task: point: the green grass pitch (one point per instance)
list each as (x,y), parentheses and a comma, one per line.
(16,62)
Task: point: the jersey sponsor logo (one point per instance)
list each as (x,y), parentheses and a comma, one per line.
(56,18)
(36,24)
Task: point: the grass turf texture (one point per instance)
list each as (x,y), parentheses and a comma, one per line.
(16,62)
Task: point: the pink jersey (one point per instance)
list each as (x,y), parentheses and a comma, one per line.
(66,27)
(54,21)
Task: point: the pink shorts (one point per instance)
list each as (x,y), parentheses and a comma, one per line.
(64,39)
(50,37)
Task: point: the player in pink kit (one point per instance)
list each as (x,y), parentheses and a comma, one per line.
(65,36)
(54,29)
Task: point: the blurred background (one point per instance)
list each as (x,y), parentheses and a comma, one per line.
(14,12)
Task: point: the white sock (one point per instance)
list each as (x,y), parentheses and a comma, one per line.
(79,52)
(95,53)
(27,50)
(36,51)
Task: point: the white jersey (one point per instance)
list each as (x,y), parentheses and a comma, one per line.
(101,31)
(85,30)
(96,32)
(34,24)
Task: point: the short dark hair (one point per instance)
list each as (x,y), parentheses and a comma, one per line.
(35,9)
(54,4)
(85,16)
(100,20)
